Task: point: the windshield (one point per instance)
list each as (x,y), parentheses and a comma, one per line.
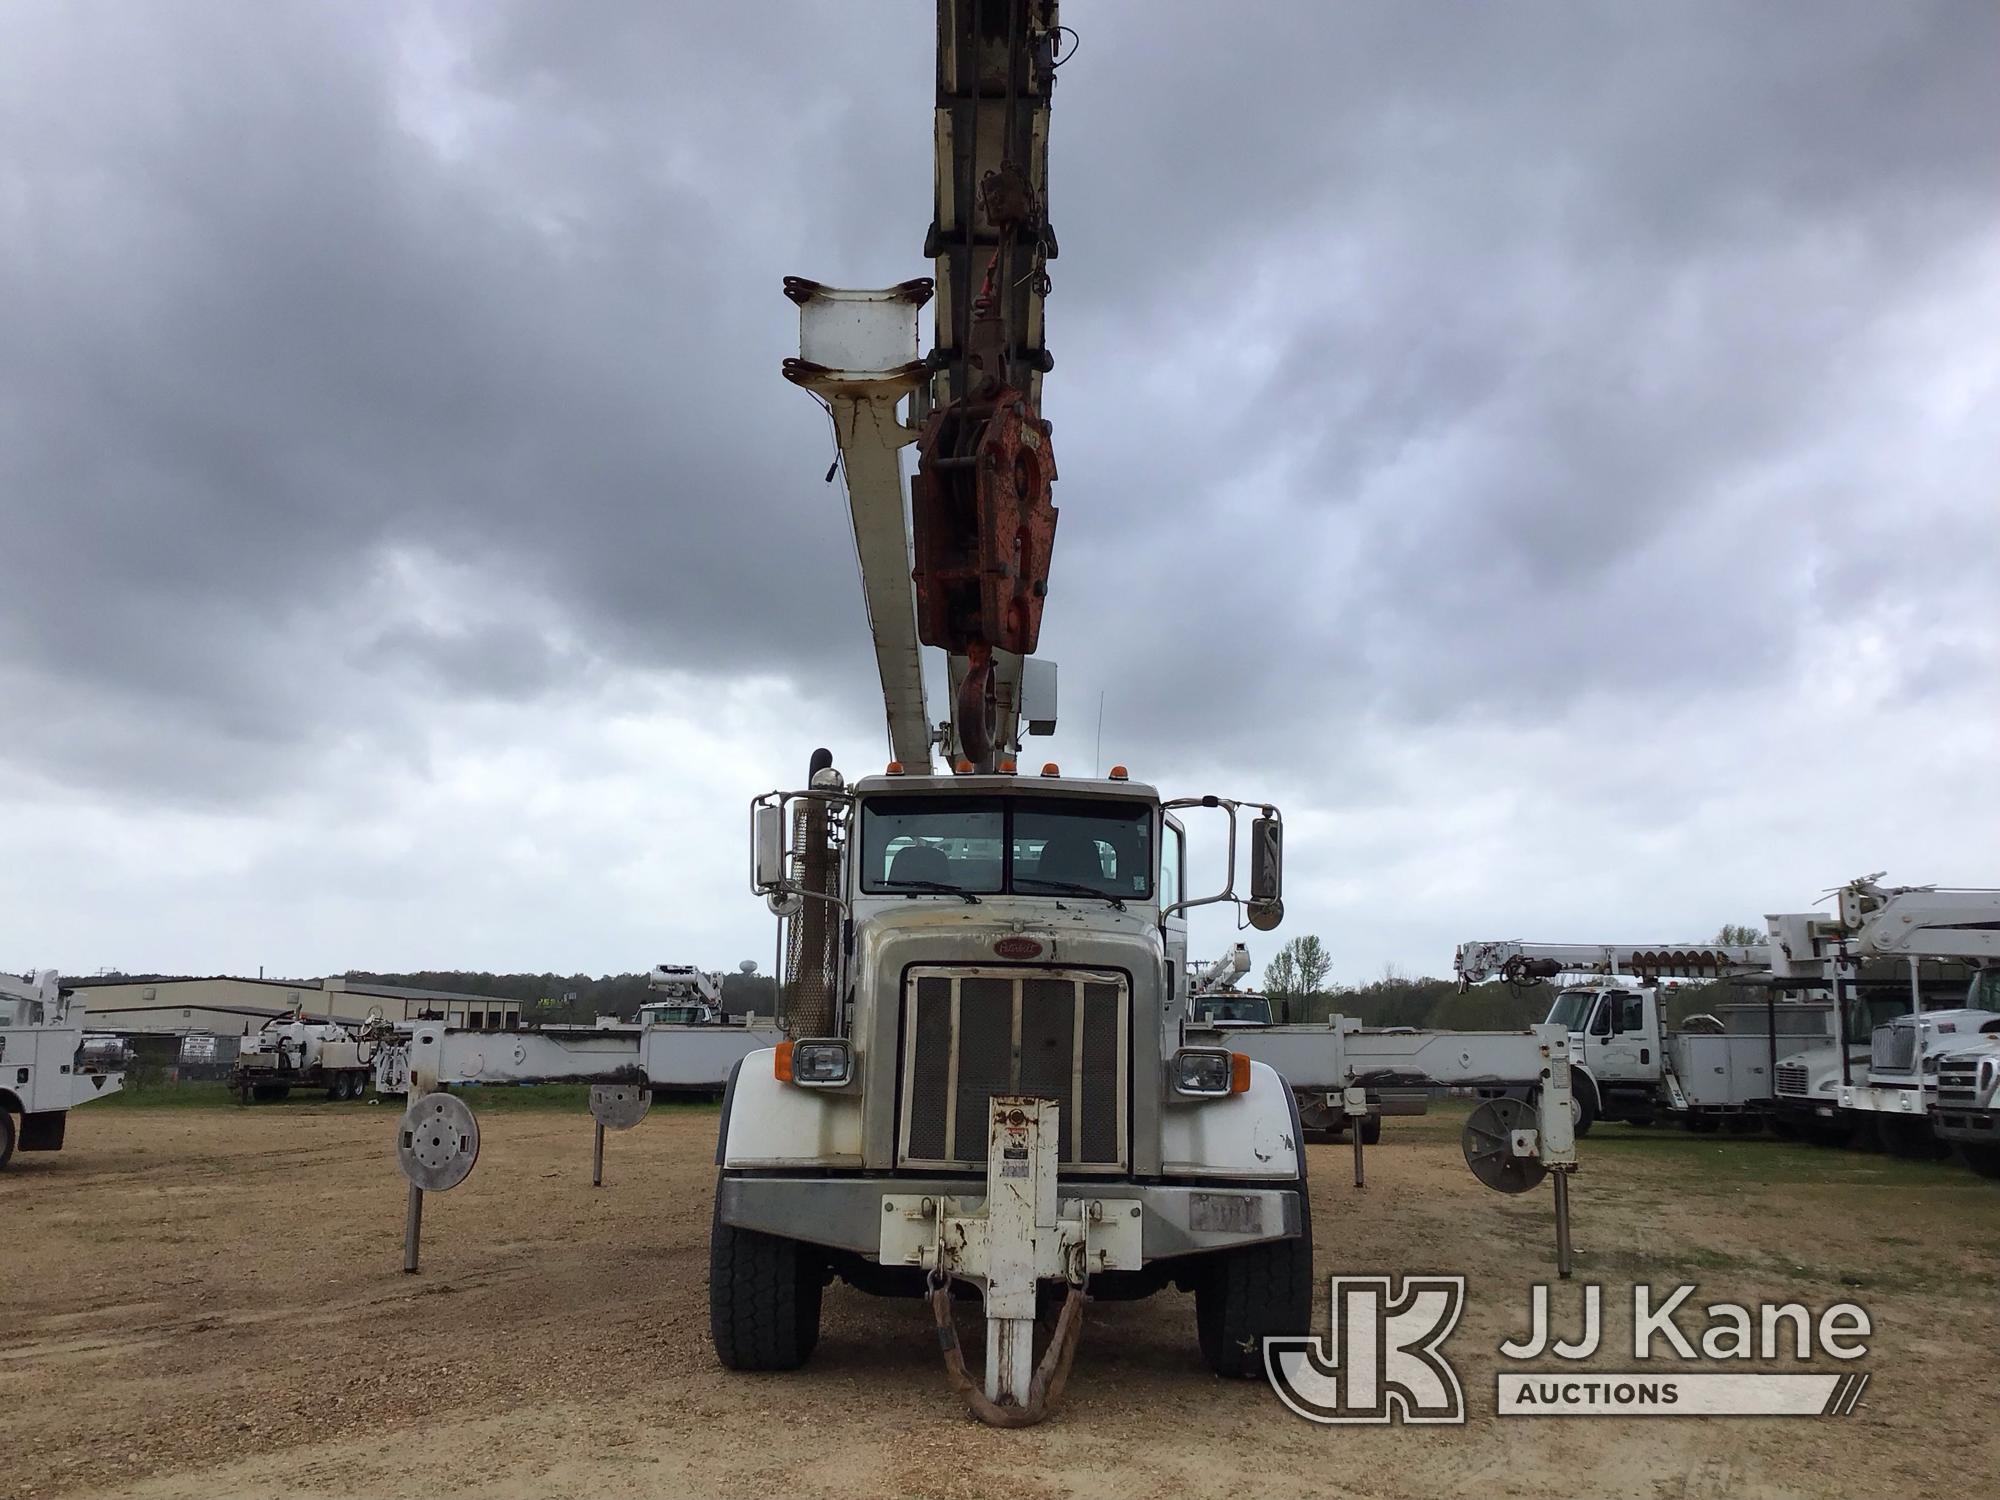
(671,1015)
(1233,1008)
(1031,846)
(1570,1008)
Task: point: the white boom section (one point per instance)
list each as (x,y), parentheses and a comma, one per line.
(1222,973)
(858,354)
(674,1057)
(1343,1053)
(1487,959)
(1920,921)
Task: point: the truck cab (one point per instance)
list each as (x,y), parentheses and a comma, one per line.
(1615,1050)
(678,1013)
(1900,1087)
(1965,1111)
(1228,1009)
(960,940)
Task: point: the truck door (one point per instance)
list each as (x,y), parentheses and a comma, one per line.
(1621,1045)
(1174,929)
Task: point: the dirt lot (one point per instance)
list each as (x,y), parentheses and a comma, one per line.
(208,1303)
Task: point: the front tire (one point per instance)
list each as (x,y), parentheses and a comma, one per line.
(8,1135)
(763,1297)
(1249,1295)
(1982,1158)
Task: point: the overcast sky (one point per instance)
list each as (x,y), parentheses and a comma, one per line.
(1550,449)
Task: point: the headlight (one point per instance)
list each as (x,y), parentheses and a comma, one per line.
(822,1063)
(1210,1072)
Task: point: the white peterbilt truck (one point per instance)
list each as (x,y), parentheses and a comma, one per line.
(1005,1007)
(987,1077)
(49,1063)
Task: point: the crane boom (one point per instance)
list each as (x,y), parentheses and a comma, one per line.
(1519,962)
(967,570)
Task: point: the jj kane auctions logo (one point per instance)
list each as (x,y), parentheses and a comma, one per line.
(1383,1358)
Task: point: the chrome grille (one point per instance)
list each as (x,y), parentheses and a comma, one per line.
(1793,1078)
(1958,1083)
(1892,1048)
(969,1034)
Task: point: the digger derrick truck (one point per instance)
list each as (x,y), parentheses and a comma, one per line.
(985,1080)
(990,1079)
(1625,1064)
(985,979)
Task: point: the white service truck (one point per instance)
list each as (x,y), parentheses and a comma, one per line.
(49,1062)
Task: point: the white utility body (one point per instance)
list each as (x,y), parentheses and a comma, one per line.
(48,1062)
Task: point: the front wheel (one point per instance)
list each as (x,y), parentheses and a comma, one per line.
(7,1137)
(1982,1158)
(1249,1295)
(763,1297)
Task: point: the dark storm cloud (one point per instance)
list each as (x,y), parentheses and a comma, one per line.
(1401,350)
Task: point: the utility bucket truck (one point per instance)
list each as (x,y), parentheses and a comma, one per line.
(49,1063)
(1881,1084)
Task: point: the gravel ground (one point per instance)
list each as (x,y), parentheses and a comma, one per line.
(208,1303)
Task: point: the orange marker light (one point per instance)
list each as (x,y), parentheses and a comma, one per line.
(1006,768)
(964,768)
(1052,769)
(1119,773)
(781,1062)
(895,768)
(1239,1070)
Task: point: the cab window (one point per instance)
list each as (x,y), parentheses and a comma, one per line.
(1170,865)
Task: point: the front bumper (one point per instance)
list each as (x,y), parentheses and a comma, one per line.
(1977,1126)
(846,1212)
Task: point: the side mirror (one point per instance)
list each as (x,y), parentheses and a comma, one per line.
(1267,861)
(1266,907)
(768,835)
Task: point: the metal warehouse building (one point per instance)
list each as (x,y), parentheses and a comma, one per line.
(225,1004)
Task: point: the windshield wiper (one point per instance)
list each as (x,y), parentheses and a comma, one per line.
(934,885)
(1072,888)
